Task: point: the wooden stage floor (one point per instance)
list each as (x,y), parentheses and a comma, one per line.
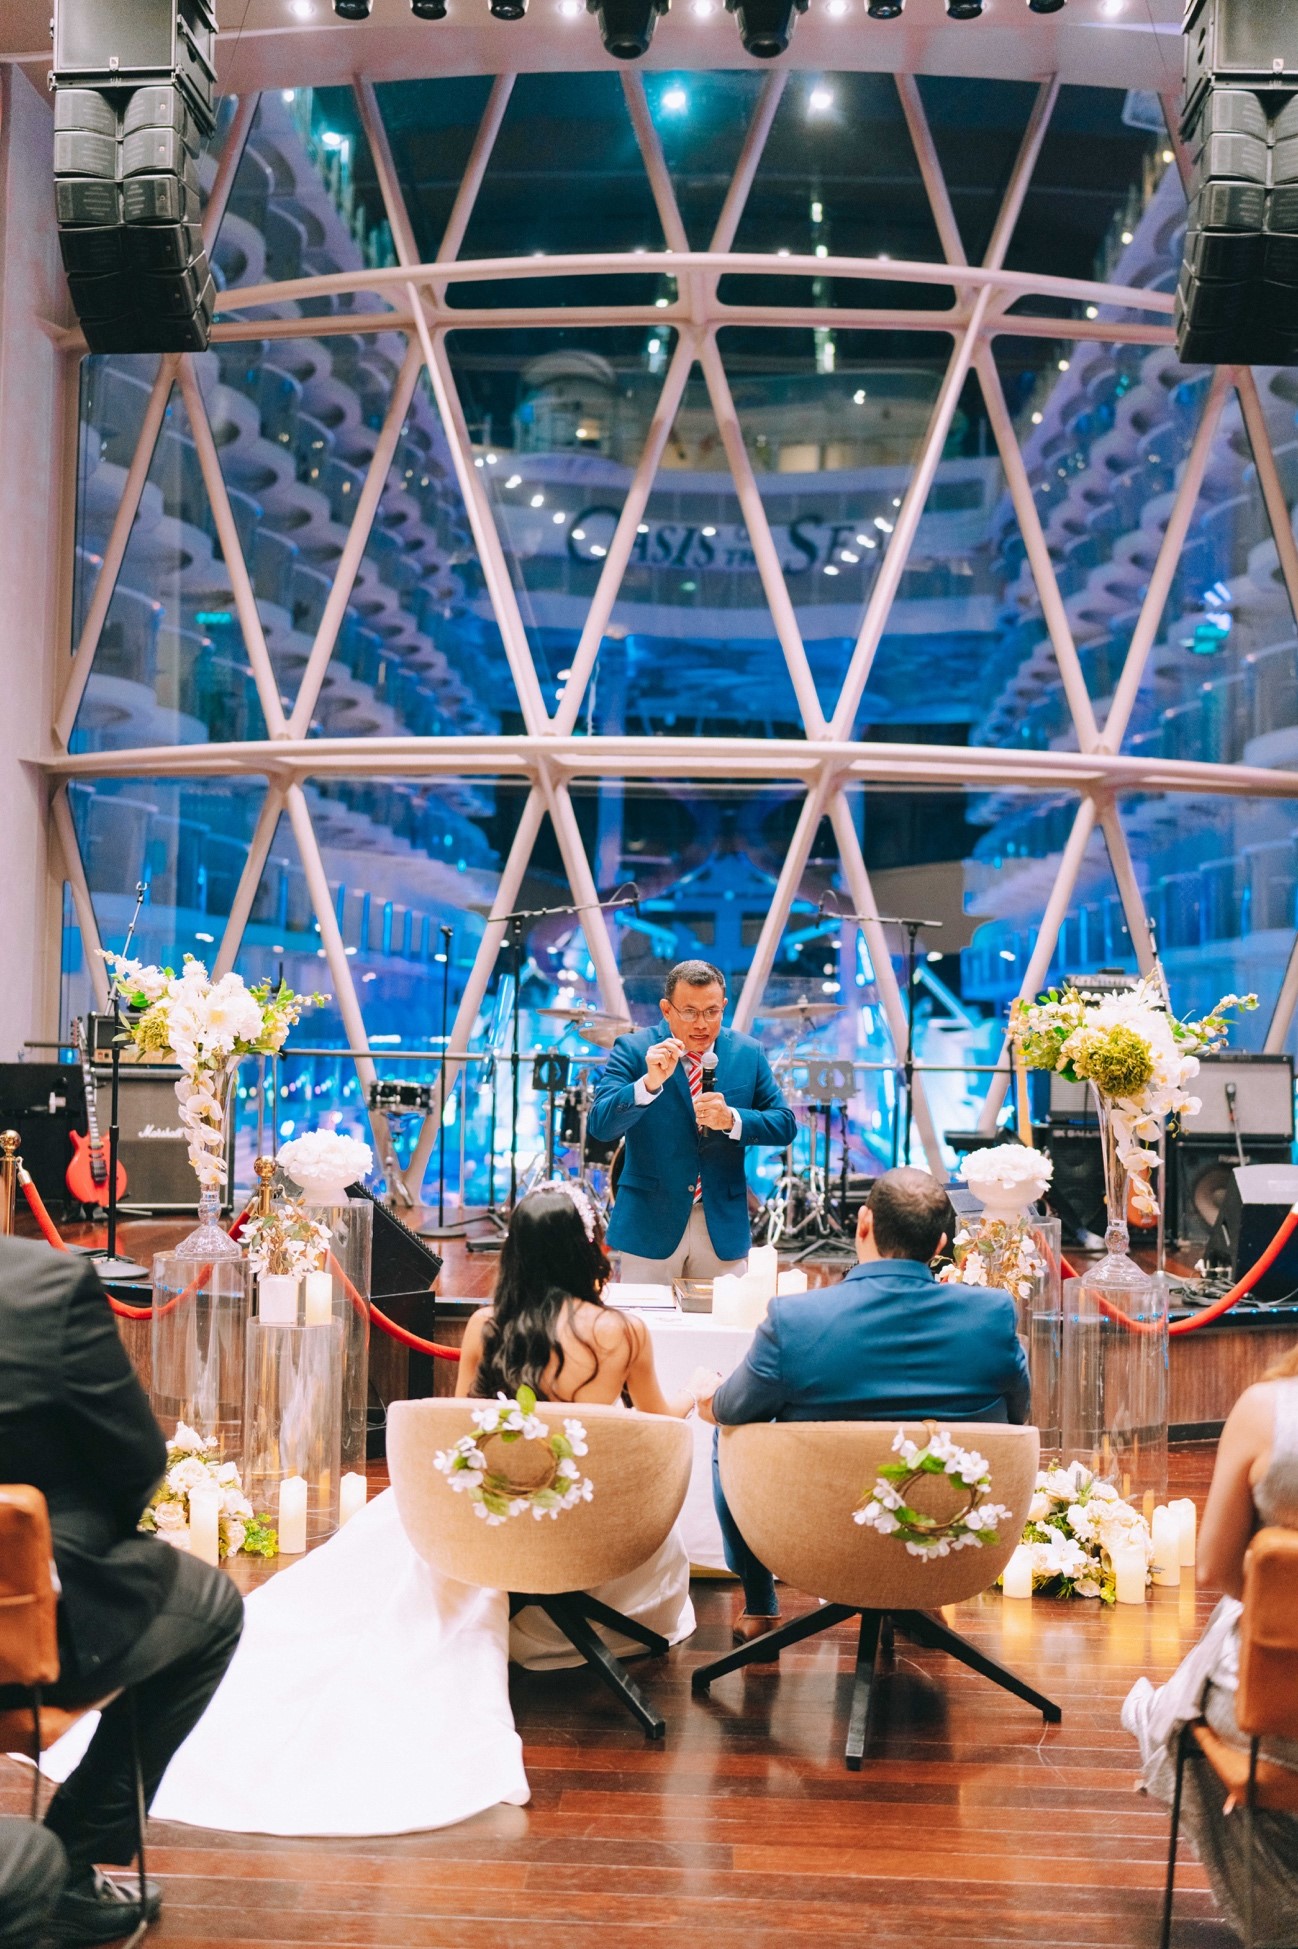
(971,1824)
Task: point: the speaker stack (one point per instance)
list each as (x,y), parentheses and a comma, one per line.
(1246,1097)
(1237,299)
(134,97)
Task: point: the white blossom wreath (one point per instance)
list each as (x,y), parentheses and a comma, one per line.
(494,1496)
(886,1509)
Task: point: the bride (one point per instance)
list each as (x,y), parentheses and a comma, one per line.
(369,1695)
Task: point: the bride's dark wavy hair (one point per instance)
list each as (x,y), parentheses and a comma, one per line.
(546,1264)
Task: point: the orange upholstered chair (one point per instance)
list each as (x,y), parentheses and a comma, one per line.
(1266,1705)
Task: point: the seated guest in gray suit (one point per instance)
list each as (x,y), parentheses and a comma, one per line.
(889,1340)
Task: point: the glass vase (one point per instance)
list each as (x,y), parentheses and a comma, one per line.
(209,1240)
(1114,1386)
(1023,1256)
(293,1414)
(351,1227)
(200,1312)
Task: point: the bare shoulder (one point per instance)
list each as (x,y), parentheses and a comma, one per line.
(476,1326)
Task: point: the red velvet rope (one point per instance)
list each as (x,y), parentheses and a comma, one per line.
(1243,1285)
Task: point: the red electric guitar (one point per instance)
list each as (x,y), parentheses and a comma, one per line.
(87,1174)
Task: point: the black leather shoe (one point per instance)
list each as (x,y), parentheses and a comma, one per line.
(99,1909)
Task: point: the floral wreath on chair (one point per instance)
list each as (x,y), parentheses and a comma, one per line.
(494,1497)
(971,1527)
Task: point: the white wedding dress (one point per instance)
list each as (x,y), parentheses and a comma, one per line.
(370,1695)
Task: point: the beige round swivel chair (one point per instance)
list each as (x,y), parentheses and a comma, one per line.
(792,1487)
(639,1465)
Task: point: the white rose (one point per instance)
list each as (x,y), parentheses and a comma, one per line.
(1038,1508)
(169,1515)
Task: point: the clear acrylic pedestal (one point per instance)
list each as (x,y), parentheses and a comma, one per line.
(197,1345)
(293,1412)
(1041,1328)
(351,1226)
(1114,1389)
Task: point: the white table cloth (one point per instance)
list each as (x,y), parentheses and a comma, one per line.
(682,1342)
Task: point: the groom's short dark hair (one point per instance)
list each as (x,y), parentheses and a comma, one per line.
(695,974)
(911,1211)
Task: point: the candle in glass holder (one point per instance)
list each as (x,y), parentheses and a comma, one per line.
(792,1281)
(1188,1518)
(277,1298)
(319,1298)
(205,1524)
(1016,1578)
(1166,1529)
(352,1491)
(292,1516)
(1130,1569)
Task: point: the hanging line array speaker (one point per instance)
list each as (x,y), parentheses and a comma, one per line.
(134,97)
(1237,298)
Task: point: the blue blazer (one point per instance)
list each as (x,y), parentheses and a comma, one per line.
(667,1153)
(889,1341)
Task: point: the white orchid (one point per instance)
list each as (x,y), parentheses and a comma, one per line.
(1075,1521)
(192,1465)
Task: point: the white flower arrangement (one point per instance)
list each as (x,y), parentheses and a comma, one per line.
(494,1497)
(190,1466)
(1008,1169)
(325,1157)
(1075,1522)
(204,1026)
(999,1253)
(886,1510)
(1135,1053)
(287,1241)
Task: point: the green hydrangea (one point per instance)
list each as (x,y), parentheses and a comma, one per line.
(1118,1061)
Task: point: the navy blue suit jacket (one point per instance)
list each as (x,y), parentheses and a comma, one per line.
(667,1153)
(889,1342)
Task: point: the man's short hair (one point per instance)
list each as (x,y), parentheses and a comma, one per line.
(911,1211)
(695,974)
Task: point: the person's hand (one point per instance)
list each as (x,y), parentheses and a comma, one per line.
(712,1110)
(703,1385)
(662,1060)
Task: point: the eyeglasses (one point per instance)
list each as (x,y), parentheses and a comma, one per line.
(692,1015)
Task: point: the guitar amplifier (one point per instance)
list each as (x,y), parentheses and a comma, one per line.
(151,1139)
(44,1102)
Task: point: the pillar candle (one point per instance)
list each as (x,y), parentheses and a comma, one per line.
(351,1496)
(205,1524)
(726,1290)
(1129,1568)
(763,1265)
(292,1516)
(1016,1578)
(792,1281)
(1166,1529)
(277,1299)
(1188,1518)
(319,1298)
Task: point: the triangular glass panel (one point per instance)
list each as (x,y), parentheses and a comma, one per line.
(305,202)
(977,126)
(834,423)
(702,119)
(570,138)
(558,421)
(171,665)
(431,126)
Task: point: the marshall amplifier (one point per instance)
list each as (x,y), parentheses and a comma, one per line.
(151,1145)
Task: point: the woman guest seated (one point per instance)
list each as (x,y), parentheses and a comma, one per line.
(548,1328)
(370,1695)
(1255,1482)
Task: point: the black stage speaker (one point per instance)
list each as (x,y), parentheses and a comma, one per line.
(1246,1096)
(1237,298)
(152,1147)
(134,96)
(402,1270)
(43,1102)
(1077,1187)
(1256,1203)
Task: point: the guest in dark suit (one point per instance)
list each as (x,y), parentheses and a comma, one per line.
(889,1340)
(689,1104)
(33,1871)
(133,1612)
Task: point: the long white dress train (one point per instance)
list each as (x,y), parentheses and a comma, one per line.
(370,1694)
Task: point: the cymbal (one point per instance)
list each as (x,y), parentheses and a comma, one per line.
(803,1011)
(602,1031)
(570,1014)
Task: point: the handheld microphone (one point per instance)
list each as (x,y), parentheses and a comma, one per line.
(708,1064)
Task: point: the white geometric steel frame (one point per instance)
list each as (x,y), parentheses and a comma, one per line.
(549,757)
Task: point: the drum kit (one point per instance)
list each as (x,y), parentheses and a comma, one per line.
(800,1209)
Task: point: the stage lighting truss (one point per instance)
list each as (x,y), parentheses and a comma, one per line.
(550,755)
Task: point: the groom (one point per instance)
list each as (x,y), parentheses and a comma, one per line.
(688,1104)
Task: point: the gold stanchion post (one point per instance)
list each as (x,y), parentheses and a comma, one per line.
(9,1164)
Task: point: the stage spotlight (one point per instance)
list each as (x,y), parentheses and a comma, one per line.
(507,9)
(884,9)
(765,26)
(626,27)
(428,9)
(963,9)
(1045,6)
(353,9)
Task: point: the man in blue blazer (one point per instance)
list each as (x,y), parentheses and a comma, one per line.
(689,1104)
(888,1341)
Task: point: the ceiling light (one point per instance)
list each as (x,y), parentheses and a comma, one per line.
(1127,237)
(428,9)
(884,527)
(598,552)
(765,26)
(1168,156)
(507,9)
(626,27)
(819,102)
(846,555)
(1007,954)
(836,9)
(301,9)
(353,9)
(963,9)
(1036,419)
(703,8)
(579,534)
(515,480)
(330,139)
(571,9)
(781,253)
(896,500)
(1112,8)
(1044,6)
(288,95)
(662,303)
(1092,311)
(643,528)
(822,250)
(538,500)
(558,519)
(655,345)
(858,397)
(675,100)
(884,9)
(830,569)
(1063,365)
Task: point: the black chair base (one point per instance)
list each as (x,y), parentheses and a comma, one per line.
(874,1649)
(576,1613)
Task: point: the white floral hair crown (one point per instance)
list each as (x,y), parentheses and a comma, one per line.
(578,1198)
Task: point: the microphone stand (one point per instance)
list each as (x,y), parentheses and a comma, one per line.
(107,1263)
(912,927)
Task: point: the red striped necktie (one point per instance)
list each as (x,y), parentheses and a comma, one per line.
(694,1076)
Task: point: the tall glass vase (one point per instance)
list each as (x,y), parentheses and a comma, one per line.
(346,1279)
(1115,1353)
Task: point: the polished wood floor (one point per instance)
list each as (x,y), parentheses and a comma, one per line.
(972,1824)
